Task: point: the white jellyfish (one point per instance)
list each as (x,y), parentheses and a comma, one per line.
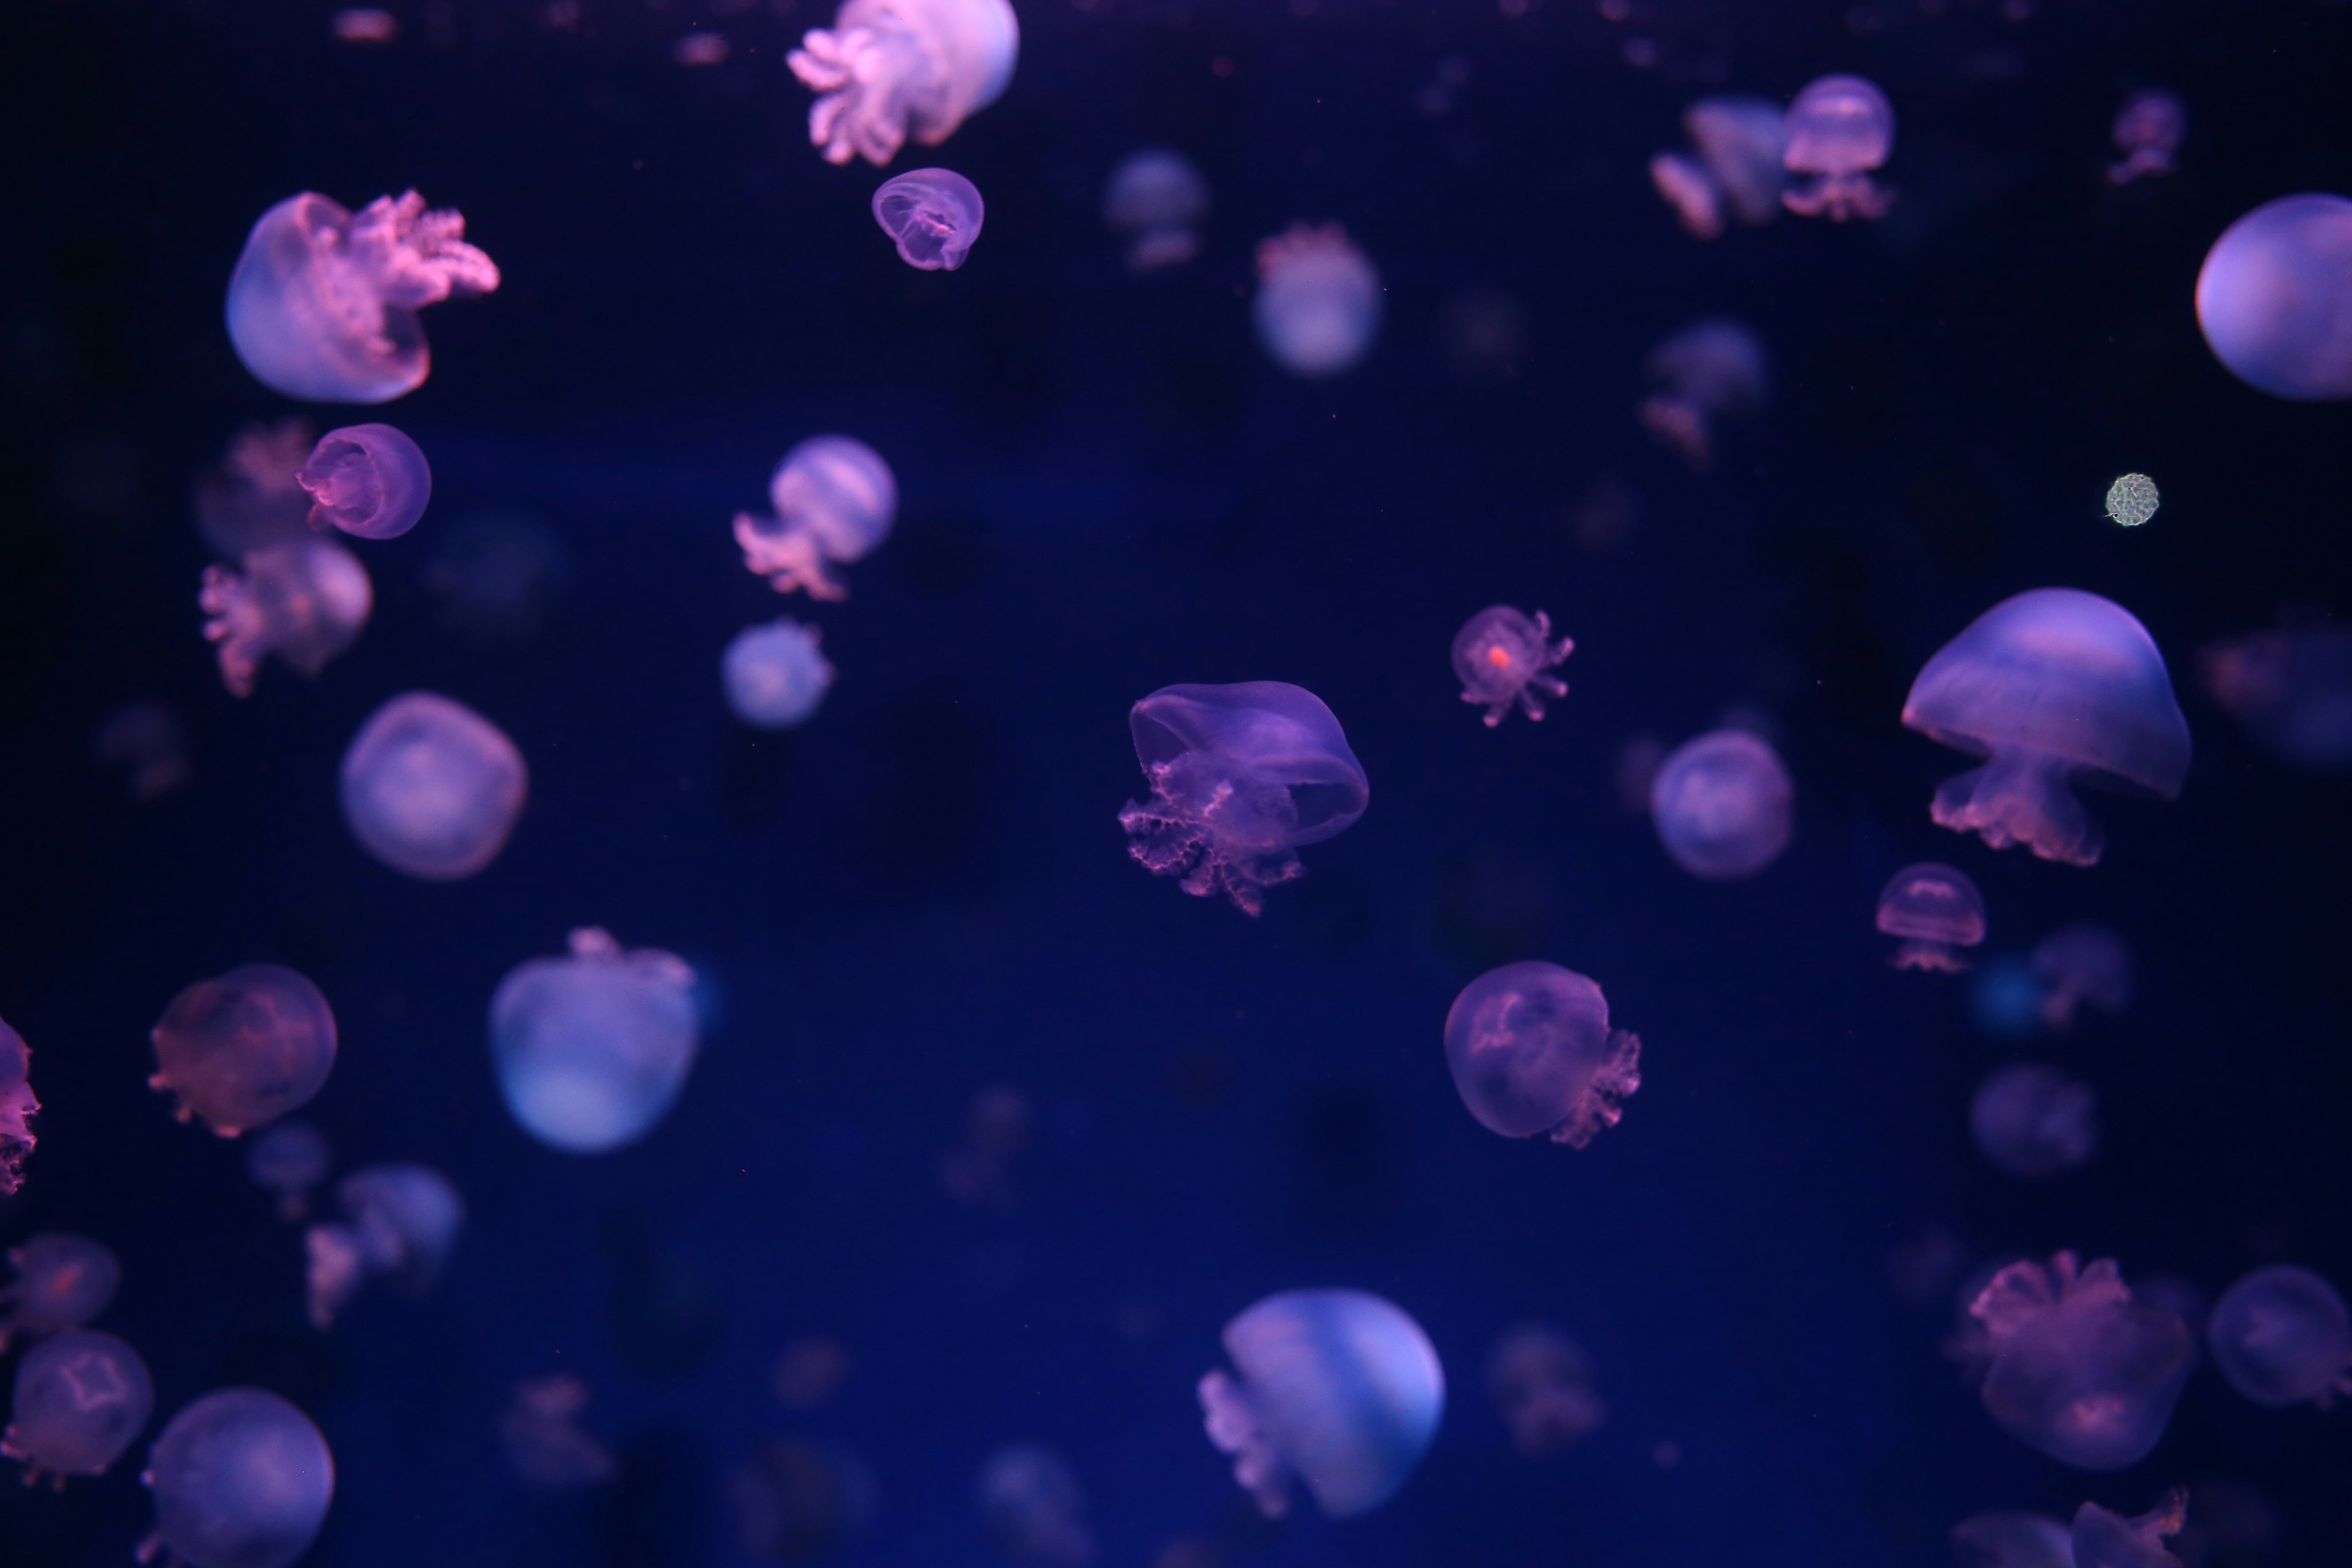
(304,600)
(591,1049)
(1708,371)
(1318,299)
(774,674)
(888,69)
(1840,128)
(1155,202)
(835,499)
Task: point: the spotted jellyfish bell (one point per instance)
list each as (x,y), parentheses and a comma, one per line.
(1936,910)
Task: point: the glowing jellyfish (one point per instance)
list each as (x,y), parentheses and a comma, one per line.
(1242,777)
(1840,128)
(18,1107)
(2085,961)
(1542,1386)
(835,499)
(369,480)
(432,788)
(2105,1539)
(400,1224)
(1500,656)
(1684,183)
(776,677)
(323,305)
(243,1050)
(2079,1371)
(1740,142)
(1155,202)
(1532,1052)
(63,1281)
(2282,1336)
(2275,298)
(2034,1122)
(2148,129)
(932,215)
(2132,500)
(592,1049)
(250,500)
(1936,910)
(888,69)
(2055,686)
(545,1448)
(149,744)
(1708,372)
(241,1479)
(2292,689)
(1034,1508)
(303,601)
(1318,299)
(1723,804)
(289,1160)
(1339,1389)
(2012,1541)
(81,1398)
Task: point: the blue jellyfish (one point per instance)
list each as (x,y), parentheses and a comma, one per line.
(432,788)
(1708,371)
(592,1049)
(545,1445)
(2085,961)
(2282,1336)
(81,1398)
(400,1224)
(241,1479)
(1723,804)
(1542,1385)
(2275,298)
(243,1050)
(1500,656)
(369,480)
(1156,201)
(1936,910)
(2149,130)
(2034,1122)
(304,601)
(63,1280)
(18,1106)
(932,215)
(835,499)
(1840,128)
(888,69)
(1318,299)
(2079,1370)
(1034,1508)
(1532,1051)
(776,677)
(289,1159)
(2105,1539)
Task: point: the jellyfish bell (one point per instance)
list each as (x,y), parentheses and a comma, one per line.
(1936,910)
(2275,298)
(1723,804)
(1531,1051)
(18,1106)
(591,1049)
(2033,1121)
(1500,656)
(369,480)
(2282,1336)
(1156,201)
(834,500)
(304,600)
(1318,306)
(1839,129)
(2079,1369)
(932,215)
(242,1479)
(244,1049)
(62,1281)
(432,788)
(81,1398)
(888,69)
(775,678)
(2104,1540)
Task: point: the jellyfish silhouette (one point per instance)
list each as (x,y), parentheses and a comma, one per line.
(369,480)
(2085,961)
(2033,1121)
(400,1225)
(1500,656)
(1318,299)
(888,69)
(2149,130)
(1532,1051)
(241,1479)
(2275,298)
(1740,142)
(1707,373)
(1840,128)
(1936,910)
(2282,1336)
(932,215)
(2079,1370)
(244,1049)
(81,1398)
(591,1049)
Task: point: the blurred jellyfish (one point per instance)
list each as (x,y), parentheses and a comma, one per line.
(776,677)
(369,480)
(241,1479)
(2055,686)
(2033,1121)
(365,25)
(251,499)
(2132,500)
(2104,1540)
(304,601)
(1840,128)
(1936,910)
(432,788)
(1500,656)
(1740,143)
(539,1430)
(2148,129)
(1155,202)
(323,305)
(1684,183)
(2005,999)
(810,1371)
(796,1501)
(1339,1389)
(2079,1371)
(18,1107)
(289,1160)
(591,1049)
(81,1398)
(1532,1051)
(2011,1541)
(2231,1525)
(146,741)
(2292,689)
(835,499)
(1318,299)
(1723,804)
(999,1126)
(1031,1501)
(1542,1386)
(2282,1336)
(1242,777)
(2275,298)
(400,1224)
(890,69)
(496,577)
(699,50)
(243,1050)
(2085,961)
(1708,371)
(63,1281)
(932,215)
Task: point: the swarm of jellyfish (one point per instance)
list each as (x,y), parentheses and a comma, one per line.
(18,1105)
(888,69)
(1532,1051)
(432,788)
(2275,298)
(369,480)
(62,1281)
(1936,910)
(1708,372)
(242,1050)
(304,601)
(932,215)
(2282,1336)
(1839,129)
(835,499)
(2078,1368)
(400,1224)
(1318,306)
(593,1048)
(1734,170)
(242,1479)
(81,1399)
(1155,202)
(1500,656)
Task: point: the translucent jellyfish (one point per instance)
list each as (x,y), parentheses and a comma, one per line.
(887,70)
(2282,1336)
(2292,689)
(835,499)
(1034,1508)
(1723,804)
(148,744)
(241,1479)
(18,1107)
(2079,1371)
(592,1049)
(1500,656)
(1339,1389)
(251,499)
(432,788)
(932,215)
(304,601)
(2033,1121)
(545,1448)
(2012,1541)
(2132,500)
(1242,777)
(2148,129)
(1155,202)
(775,676)
(2105,1539)
(1532,1051)
(1708,371)
(1936,910)
(63,1281)
(369,480)
(81,1399)
(323,305)
(1684,183)
(2055,686)
(243,1050)
(2085,961)
(1740,142)
(1542,1385)
(1840,128)
(400,1224)
(1318,299)
(2275,298)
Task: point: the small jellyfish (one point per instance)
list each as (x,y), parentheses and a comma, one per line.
(2282,1336)
(2291,687)
(834,500)
(369,480)
(2085,961)
(1742,141)
(1500,656)
(591,1049)
(776,677)
(932,215)
(1156,201)
(432,788)
(1708,371)
(2105,1539)
(323,305)
(1034,1508)
(1542,1386)
(81,1399)
(2055,686)
(2079,1371)
(1242,777)
(539,1430)
(887,70)
(2033,1121)
(1840,128)
(304,601)
(149,744)
(1682,184)
(2275,298)
(242,1479)
(289,1160)
(1340,1389)
(1723,804)
(243,1050)
(2148,129)
(18,1106)
(400,1224)
(1532,1051)
(63,1281)
(2132,500)
(1936,910)
(2011,1541)
(1318,299)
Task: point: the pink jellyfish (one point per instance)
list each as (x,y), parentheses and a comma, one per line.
(1532,1052)
(2275,298)
(1740,142)
(2085,961)
(2033,1121)
(932,215)
(1500,656)
(369,480)
(2105,1539)
(2282,1336)
(1840,128)
(243,1050)
(888,69)
(1936,910)
(1708,371)
(1723,804)
(81,1399)
(432,788)
(323,302)
(1318,299)
(835,499)
(2148,129)
(1542,1385)
(2079,1370)
(17,1107)
(304,601)
(63,1281)
(2291,687)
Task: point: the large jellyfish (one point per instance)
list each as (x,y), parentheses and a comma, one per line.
(1155,202)
(2104,1540)
(2033,1121)
(2275,298)
(241,1479)
(1542,1385)
(1740,142)
(432,788)
(1708,371)
(1339,1389)
(1034,1508)
(932,215)
(323,305)
(63,1280)
(81,1398)
(1840,128)
(887,70)
(18,1106)
(2011,1541)
(1500,656)
(304,601)
(289,1159)
(2085,961)
(400,1224)
(243,1050)
(2148,129)
(1723,804)
(1318,299)
(2079,1370)
(776,677)
(2054,687)
(369,480)
(2291,687)
(1936,910)
(1242,777)
(591,1049)
(835,499)
(2282,1336)
(1532,1052)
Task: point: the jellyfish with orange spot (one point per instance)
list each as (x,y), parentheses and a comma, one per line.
(1500,656)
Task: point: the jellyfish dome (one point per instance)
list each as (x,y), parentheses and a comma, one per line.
(18,1106)
(1243,777)
(400,1225)
(1936,910)
(289,1159)
(2085,961)
(1500,656)
(1840,128)
(1318,299)
(776,677)
(888,69)
(835,499)
(242,1479)
(304,601)
(1156,201)
(2033,1121)
(2275,298)
(1339,1389)
(1532,1051)
(932,215)
(369,480)
(2011,1541)
(2149,130)
(323,305)
(2104,1540)
(2282,1336)
(1723,804)
(432,788)
(63,1281)
(2053,686)
(591,1049)
(81,1398)
(1542,1386)
(2079,1371)
(243,1050)
(1705,373)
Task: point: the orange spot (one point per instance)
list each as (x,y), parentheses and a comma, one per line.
(1500,657)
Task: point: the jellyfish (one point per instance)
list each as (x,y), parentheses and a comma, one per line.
(243,1050)
(2011,1541)
(1242,777)
(2079,1371)
(1683,182)
(2054,687)
(539,1430)
(432,788)
(63,1281)
(2275,298)
(323,305)
(1740,142)
(1723,804)
(1542,1385)
(147,740)
(289,1159)
(797,1501)
(2292,689)
(1339,1389)
(369,480)
(2282,1336)
(889,69)
(250,500)
(835,499)
(1936,910)
(775,676)
(304,601)
(400,1224)
(1532,1051)
(932,215)
(2033,1121)
(2148,129)
(18,1107)
(1500,656)
(591,1049)
(1840,128)
(1318,299)
(2085,961)
(1708,371)
(2105,1539)
(1032,1506)
(81,1398)
(2132,500)
(241,1479)
(1156,201)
